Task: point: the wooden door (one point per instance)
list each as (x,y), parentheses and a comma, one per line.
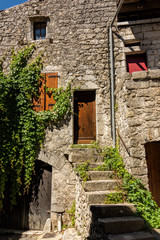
(33,209)
(153,162)
(84,117)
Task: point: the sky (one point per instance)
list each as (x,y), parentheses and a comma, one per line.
(9,3)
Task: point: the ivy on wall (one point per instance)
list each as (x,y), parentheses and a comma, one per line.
(23,129)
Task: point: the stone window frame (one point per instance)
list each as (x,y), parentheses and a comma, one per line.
(38,19)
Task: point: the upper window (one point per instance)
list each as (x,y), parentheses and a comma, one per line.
(39,30)
(38,27)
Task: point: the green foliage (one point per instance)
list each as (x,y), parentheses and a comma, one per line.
(71,213)
(133,189)
(82,170)
(22,129)
(117,197)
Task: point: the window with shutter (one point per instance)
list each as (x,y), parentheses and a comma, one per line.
(46,101)
(136,62)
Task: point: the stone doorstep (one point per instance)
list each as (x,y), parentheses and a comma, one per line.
(117,225)
(82,155)
(131,236)
(95,185)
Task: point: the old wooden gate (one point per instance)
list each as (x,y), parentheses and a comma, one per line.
(153,162)
(84,117)
(33,209)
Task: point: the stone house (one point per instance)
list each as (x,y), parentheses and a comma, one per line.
(77,45)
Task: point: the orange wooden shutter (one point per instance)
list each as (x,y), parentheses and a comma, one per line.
(51,82)
(39,105)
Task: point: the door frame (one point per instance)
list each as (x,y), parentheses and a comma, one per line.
(73,120)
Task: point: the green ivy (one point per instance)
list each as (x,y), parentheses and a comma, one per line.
(23,129)
(133,189)
(71,213)
(117,197)
(82,170)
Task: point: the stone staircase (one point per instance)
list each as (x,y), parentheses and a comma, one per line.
(108,221)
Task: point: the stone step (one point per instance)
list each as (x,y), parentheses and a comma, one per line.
(117,225)
(97,175)
(98,197)
(92,165)
(102,185)
(80,158)
(84,154)
(113,210)
(131,236)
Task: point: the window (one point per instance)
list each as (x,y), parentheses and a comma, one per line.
(45,101)
(136,62)
(38,27)
(39,30)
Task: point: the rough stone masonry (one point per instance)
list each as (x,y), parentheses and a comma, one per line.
(75,47)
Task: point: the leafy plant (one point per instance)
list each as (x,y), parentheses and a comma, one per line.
(117,197)
(82,170)
(71,213)
(22,129)
(133,189)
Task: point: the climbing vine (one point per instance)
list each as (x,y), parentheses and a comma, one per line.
(129,189)
(132,190)
(23,129)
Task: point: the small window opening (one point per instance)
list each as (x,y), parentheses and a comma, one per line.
(39,30)
(132,44)
(136,62)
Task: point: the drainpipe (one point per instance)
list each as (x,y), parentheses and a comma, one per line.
(112,75)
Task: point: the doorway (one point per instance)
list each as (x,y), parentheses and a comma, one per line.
(84,117)
(33,209)
(153,163)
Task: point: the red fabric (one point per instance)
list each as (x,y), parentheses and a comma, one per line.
(136,63)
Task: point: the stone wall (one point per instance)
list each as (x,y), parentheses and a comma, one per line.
(76,48)
(83,213)
(137,96)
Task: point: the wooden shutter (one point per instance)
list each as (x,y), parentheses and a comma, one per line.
(45,101)
(39,105)
(51,82)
